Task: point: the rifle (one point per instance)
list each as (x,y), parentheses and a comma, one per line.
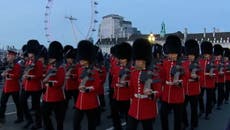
(176,71)
(8,68)
(194,68)
(86,75)
(123,74)
(221,67)
(50,73)
(210,67)
(146,77)
(69,70)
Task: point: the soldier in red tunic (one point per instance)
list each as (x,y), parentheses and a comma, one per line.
(11,87)
(121,86)
(53,99)
(220,74)
(32,86)
(143,91)
(227,74)
(207,78)
(192,83)
(88,85)
(173,84)
(100,67)
(71,90)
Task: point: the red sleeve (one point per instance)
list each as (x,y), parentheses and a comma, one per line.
(38,70)
(16,73)
(59,78)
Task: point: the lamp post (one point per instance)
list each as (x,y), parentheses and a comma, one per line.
(151,38)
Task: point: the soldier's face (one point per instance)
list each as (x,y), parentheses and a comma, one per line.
(173,56)
(10,57)
(52,61)
(140,64)
(84,62)
(69,60)
(30,56)
(123,62)
(191,57)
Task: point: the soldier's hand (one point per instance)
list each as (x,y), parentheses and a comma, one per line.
(148,91)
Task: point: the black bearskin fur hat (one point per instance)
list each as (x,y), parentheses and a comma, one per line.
(86,51)
(124,51)
(218,50)
(206,48)
(99,55)
(173,44)
(55,50)
(69,52)
(32,46)
(192,47)
(142,50)
(43,51)
(157,49)
(226,52)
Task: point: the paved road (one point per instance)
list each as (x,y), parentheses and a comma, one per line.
(218,120)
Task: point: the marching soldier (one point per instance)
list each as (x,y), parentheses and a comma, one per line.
(192,83)
(71,90)
(32,77)
(53,99)
(121,86)
(227,74)
(207,79)
(100,67)
(88,85)
(220,74)
(173,85)
(144,93)
(11,87)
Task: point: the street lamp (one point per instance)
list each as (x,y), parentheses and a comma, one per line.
(151,38)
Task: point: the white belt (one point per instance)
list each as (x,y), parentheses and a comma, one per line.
(172,83)
(140,96)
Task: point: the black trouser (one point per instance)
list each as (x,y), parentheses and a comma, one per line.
(209,100)
(220,98)
(91,116)
(227,90)
(4,99)
(133,123)
(71,94)
(193,100)
(101,107)
(59,109)
(178,115)
(118,108)
(35,96)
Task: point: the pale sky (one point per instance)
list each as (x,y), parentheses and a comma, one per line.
(22,20)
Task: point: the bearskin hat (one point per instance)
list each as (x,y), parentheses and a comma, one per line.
(55,50)
(43,51)
(173,44)
(206,47)
(32,46)
(142,50)
(192,47)
(86,51)
(99,55)
(157,49)
(69,52)
(226,52)
(124,51)
(24,50)
(113,50)
(218,50)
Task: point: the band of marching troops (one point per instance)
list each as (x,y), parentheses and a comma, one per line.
(145,81)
